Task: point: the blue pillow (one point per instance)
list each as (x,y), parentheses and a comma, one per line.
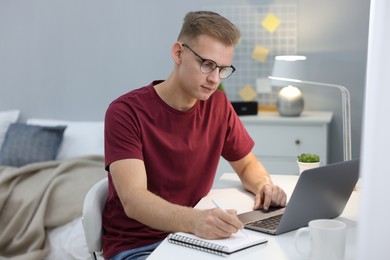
(24,144)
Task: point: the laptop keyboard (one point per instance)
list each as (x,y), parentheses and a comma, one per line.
(268,223)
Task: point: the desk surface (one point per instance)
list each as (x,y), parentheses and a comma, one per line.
(278,247)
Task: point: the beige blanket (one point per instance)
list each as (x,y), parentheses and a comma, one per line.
(39,196)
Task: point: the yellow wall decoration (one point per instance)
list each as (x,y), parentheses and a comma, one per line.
(260,53)
(248,93)
(270,22)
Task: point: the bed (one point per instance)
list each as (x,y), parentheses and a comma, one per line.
(46,168)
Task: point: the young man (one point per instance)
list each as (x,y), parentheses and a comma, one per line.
(163,143)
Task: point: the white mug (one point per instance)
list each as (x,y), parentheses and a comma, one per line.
(327,239)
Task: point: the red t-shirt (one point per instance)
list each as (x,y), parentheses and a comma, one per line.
(180,150)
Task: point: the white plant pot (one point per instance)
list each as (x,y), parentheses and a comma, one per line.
(305,166)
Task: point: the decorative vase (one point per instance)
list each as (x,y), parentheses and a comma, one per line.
(305,166)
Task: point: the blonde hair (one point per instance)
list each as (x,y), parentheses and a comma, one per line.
(211,24)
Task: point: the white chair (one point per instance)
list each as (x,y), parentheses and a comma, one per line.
(92,216)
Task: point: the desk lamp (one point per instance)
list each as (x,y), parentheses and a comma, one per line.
(346,109)
(289,100)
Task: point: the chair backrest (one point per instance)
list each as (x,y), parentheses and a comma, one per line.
(92,215)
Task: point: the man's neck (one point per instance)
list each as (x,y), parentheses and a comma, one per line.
(173,96)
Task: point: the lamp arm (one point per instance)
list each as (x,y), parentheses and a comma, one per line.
(346,110)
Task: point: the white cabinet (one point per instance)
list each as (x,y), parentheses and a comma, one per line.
(279,140)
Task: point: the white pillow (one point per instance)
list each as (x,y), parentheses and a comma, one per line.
(6,119)
(80,137)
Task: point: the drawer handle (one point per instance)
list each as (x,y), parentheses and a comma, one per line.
(297,142)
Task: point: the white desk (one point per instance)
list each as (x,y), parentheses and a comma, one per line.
(278,247)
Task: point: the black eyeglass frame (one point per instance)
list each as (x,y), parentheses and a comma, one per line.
(203,60)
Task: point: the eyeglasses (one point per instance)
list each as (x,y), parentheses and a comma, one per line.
(207,66)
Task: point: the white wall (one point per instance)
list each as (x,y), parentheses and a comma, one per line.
(374,224)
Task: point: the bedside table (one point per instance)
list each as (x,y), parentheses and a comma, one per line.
(279,140)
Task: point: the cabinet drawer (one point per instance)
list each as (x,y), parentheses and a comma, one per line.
(288,140)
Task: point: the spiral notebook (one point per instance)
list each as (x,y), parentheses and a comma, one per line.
(223,247)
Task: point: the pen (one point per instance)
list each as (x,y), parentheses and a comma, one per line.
(217,205)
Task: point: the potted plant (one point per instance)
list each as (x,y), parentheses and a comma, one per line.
(308,161)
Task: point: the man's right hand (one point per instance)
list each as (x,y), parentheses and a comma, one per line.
(216,223)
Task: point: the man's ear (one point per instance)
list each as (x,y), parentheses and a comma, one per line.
(176,52)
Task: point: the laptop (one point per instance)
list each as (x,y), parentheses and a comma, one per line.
(321,192)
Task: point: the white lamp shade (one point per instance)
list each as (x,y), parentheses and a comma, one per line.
(288,66)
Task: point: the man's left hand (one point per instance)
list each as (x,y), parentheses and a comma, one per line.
(270,195)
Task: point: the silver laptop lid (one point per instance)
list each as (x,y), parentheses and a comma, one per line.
(321,192)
